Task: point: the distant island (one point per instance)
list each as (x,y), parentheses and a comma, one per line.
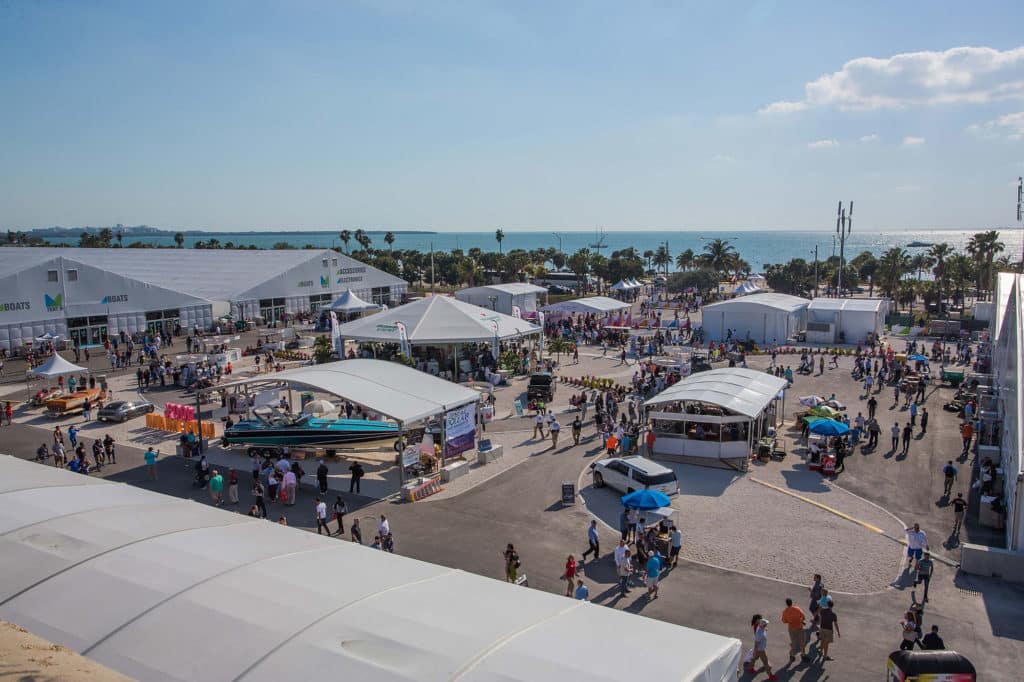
(148,231)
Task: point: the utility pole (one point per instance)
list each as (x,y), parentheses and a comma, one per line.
(844,225)
(815,271)
(431,268)
(1020,213)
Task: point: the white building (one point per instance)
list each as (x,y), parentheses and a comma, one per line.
(845,320)
(87,294)
(760,317)
(501,297)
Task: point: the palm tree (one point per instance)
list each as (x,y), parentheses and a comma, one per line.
(389,239)
(500,236)
(685,260)
(920,262)
(363,239)
(179,239)
(648,256)
(984,246)
(720,256)
(960,271)
(662,258)
(891,267)
(346,237)
(579,263)
(940,252)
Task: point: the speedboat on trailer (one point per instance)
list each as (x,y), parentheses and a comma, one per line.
(275,428)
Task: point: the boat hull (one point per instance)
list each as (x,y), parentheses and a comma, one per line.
(326,434)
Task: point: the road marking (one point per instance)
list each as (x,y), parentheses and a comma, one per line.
(827,508)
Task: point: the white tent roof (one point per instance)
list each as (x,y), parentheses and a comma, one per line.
(402,393)
(438,319)
(57,366)
(348,302)
(513,288)
(746,288)
(743,391)
(621,285)
(161,588)
(758,302)
(591,304)
(848,304)
(635,284)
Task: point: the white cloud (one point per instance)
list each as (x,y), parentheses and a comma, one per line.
(870,138)
(911,141)
(1009,125)
(957,75)
(823,144)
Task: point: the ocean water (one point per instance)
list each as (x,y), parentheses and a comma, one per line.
(757,247)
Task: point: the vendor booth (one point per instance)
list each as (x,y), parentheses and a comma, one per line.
(758,317)
(715,417)
(349,305)
(595,305)
(846,320)
(504,298)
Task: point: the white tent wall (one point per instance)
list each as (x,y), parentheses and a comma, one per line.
(16,335)
(325,272)
(761,317)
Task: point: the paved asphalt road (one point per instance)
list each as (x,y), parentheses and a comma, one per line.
(523,506)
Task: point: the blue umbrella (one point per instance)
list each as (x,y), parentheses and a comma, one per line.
(829,427)
(646,499)
(917,357)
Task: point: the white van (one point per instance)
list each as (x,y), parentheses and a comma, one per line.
(629,474)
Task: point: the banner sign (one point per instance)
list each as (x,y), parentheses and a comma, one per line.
(403,340)
(459,430)
(516,312)
(336,336)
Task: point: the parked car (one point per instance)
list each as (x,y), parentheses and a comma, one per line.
(629,474)
(559,289)
(542,387)
(123,410)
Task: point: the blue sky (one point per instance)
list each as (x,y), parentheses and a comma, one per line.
(526,115)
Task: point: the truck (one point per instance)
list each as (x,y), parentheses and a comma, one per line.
(541,387)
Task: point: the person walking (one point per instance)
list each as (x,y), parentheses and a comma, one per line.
(258,492)
(653,569)
(73,436)
(356,532)
(913,414)
(272,484)
(959,510)
(795,620)
(232,486)
(828,629)
(874,431)
(872,406)
(908,432)
(593,540)
(538,426)
(932,641)
(925,567)
(512,563)
(357,473)
(569,576)
(623,570)
(555,428)
(150,457)
(815,591)
(761,635)
(910,630)
(966,434)
(675,545)
(290,487)
(577,430)
(340,509)
(321,517)
(924,420)
(216,488)
(949,474)
(917,543)
(321,477)
(582,592)
(895,431)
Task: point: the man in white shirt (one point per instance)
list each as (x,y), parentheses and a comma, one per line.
(538,425)
(917,542)
(321,516)
(620,552)
(384,528)
(676,544)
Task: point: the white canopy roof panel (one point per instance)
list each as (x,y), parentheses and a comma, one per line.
(348,302)
(57,366)
(591,304)
(437,320)
(758,302)
(872,305)
(513,288)
(743,391)
(179,591)
(402,393)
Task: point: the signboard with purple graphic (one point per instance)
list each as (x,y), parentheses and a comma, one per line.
(459,430)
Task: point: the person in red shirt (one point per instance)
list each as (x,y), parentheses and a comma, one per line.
(570,575)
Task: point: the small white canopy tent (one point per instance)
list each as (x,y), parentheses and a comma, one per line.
(350,304)
(437,320)
(178,591)
(759,317)
(599,305)
(57,366)
(747,288)
(503,297)
(621,285)
(633,283)
(714,415)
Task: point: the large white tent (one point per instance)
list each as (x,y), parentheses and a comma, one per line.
(599,305)
(57,366)
(389,388)
(438,320)
(349,303)
(503,297)
(759,317)
(161,589)
(847,319)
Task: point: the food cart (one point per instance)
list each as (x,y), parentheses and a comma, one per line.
(954,379)
(929,666)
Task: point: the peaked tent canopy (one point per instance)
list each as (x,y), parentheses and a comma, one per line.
(622,285)
(396,391)
(206,573)
(350,304)
(437,320)
(57,366)
(743,391)
(600,305)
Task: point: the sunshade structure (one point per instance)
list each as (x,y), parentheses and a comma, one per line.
(598,305)
(350,304)
(715,415)
(646,499)
(438,320)
(57,366)
(829,427)
(160,588)
(626,285)
(747,288)
(391,389)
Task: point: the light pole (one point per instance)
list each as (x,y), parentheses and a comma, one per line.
(815,271)
(844,226)
(1020,214)
(559,238)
